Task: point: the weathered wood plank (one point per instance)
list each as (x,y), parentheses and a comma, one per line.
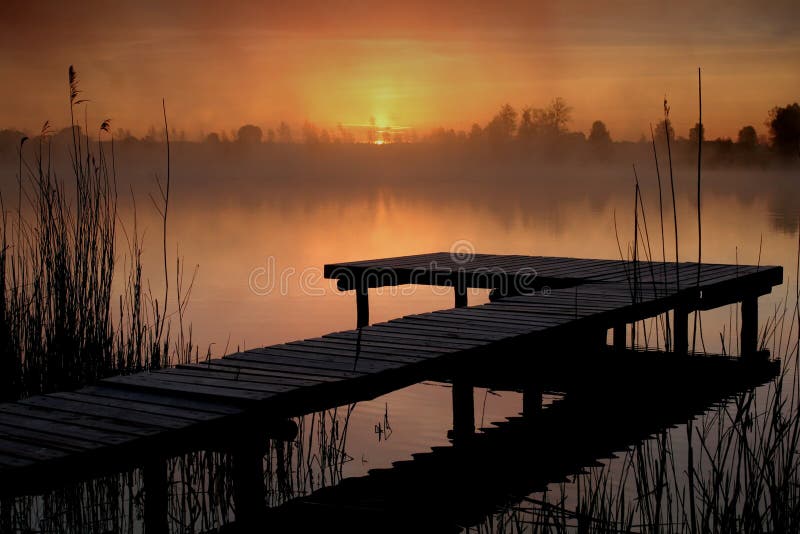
(245,374)
(260,361)
(123,415)
(138,406)
(56,441)
(246,366)
(77,419)
(378,343)
(156,384)
(362,350)
(296,360)
(63,429)
(12,462)
(216,407)
(340,362)
(29,451)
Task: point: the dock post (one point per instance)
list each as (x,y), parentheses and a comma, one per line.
(680,330)
(620,337)
(461,290)
(749,329)
(531,401)
(463,411)
(248,480)
(156,497)
(362,305)
(6,512)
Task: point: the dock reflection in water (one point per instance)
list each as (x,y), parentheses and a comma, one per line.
(485,481)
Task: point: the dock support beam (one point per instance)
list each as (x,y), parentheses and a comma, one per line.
(531,401)
(6,511)
(749,332)
(463,411)
(620,337)
(248,481)
(461,292)
(156,498)
(680,330)
(362,306)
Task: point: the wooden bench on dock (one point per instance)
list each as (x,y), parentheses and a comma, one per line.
(231,402)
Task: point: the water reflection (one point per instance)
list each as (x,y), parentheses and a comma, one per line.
(201,489)
(339,470)
(463,485)
(231,216)
(230,243)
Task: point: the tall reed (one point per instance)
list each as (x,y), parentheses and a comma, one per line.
(62,324)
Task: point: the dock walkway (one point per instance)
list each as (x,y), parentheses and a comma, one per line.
(218,403)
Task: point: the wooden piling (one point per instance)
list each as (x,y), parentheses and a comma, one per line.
(680,330)
(156,496)
(362,306)
(749,328)
(531,401)
(620,337)
(248,480)
(463,410)
(460,292)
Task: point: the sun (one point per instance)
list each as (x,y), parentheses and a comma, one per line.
(379,142)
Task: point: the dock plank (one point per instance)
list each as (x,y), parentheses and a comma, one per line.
(122,415)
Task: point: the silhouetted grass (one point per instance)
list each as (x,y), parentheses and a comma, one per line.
(200,490)
(738,469)
(62,324)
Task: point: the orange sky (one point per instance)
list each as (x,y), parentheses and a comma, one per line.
(223,64)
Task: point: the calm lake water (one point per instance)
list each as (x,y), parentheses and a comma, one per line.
(261,240)
(260,261)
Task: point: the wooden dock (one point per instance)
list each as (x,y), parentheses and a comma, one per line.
(231,403)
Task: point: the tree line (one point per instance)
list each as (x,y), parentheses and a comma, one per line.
(546,128)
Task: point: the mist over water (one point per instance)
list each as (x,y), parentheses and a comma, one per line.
(260,223)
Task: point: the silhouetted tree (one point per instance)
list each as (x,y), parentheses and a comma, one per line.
(599,135)
(284,133)
(547,123)
(526,130)
(784,127)
(443,136)
(747,138)
(344,135)
(501,128)
(476,132)
(697,133)
(270,135)
(152,135)
(372,131)
(249,135)
(213,138)
(310,134)
(660,132)
(560,114)
(124,136)
(64,137)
